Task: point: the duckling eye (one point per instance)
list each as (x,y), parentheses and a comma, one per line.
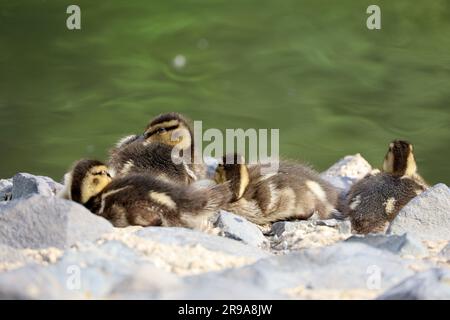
(101,173)
(105,173)
(160,130)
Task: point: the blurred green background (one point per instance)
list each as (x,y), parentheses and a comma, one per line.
(310,68)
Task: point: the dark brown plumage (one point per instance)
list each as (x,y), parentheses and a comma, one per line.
(375,200)
(151,158)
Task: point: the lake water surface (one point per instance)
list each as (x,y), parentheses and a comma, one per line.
(310,68)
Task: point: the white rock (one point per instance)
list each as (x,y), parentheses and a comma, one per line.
(427,216)
(42,222)
(347,171)
(25,184)
(238,228)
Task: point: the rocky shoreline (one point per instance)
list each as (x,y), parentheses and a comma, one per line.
(52,248)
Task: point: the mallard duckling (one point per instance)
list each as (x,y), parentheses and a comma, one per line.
(155,158)
(294,192)
(140,199)
(374,201)
(171,129)
(174,129)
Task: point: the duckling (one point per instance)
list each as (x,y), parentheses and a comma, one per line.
(155,158)
(374,201)
(171,129)
(174,129)
(294,192)
(140,199)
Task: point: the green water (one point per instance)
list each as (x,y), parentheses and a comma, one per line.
(310,68)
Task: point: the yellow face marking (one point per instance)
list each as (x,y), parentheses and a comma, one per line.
(94,182)
(165,124)
(173,133)
(163,199)
(244,180)
(411,167)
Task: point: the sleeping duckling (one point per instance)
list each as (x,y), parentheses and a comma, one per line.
(294,192)
(155,158)
(173,130)
(375,200)
(140,199)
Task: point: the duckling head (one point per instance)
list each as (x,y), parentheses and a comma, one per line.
(87,179)
(234,170)
(171,129)
(399,160)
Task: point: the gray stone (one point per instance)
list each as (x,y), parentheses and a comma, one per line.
(278,228)
(427,216)
(347,171)
(114,270)
(6,186)
(152,283)
(25,184)
(343,266)
(182,236)
(433,284)
(223,289)
(87,274)
(41,222)
(404,244)
(238,228)
(344,227)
